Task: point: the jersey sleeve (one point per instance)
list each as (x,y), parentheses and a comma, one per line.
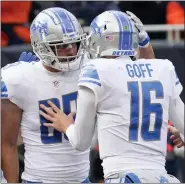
(10,85)
(90,78)
(176,85)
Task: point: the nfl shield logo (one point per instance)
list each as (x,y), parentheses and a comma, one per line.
(109,38)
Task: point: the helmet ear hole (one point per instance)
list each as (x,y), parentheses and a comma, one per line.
(105,27)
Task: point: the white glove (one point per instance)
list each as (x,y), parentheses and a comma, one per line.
(179,151)
(144,39)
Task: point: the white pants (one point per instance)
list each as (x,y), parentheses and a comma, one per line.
(142,176)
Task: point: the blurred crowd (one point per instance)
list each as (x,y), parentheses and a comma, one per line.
(16,16)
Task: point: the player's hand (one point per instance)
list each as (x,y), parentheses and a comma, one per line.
(60,120)
(144,39)
(27,57)
(176,136)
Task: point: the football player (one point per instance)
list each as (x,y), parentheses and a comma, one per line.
(59,42)
(129,101)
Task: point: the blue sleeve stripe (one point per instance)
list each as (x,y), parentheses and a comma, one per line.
(89,81)
(4,91)
(90,73)
(3,87)
(4,95)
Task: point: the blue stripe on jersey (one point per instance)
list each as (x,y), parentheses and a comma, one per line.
(67,25)
(3,87)
(124,29)
(132,178)
(89,81)
(4,95)
(90,73)
(3,90)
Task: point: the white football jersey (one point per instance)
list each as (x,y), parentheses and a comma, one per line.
(132,99)
(49,157)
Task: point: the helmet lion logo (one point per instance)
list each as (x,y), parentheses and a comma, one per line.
(40,27)
(96,29)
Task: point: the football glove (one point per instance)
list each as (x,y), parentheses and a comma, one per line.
(144,39)
(27,57)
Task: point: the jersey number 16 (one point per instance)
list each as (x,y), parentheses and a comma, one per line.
(143,98)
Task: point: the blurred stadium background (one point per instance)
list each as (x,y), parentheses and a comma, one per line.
(163,20)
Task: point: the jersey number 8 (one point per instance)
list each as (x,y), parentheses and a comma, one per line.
(49,135)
